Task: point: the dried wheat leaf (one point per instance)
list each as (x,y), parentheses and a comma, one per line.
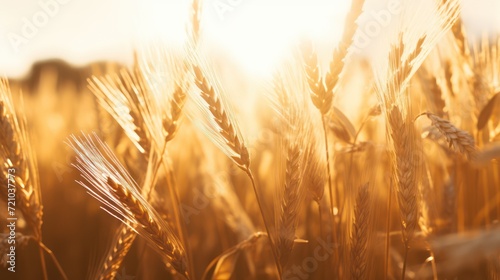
(341,126)
(223,266)
(486,112)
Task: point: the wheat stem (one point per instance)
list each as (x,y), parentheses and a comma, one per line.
(42,261)
(330,189)
(388,233)
(403,272)
(54,259)
(261,209)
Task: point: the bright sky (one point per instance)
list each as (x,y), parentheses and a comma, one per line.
(255,33)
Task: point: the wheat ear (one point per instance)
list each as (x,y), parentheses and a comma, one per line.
(460,140)
(218,123)
(295,135)
(407,165)
(290,204)
(340,53)
(123,96)
(171,124)
(323,89)
(16,155)
(226,128)
(163,238)
(121,244)
(110,183)
(359,238)
(20,168)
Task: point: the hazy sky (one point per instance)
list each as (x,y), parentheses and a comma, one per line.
(255,32)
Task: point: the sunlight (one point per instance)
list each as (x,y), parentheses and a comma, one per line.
(258,34)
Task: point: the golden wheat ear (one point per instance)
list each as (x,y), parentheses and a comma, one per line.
(360,234)
(410,39)
(19,166)
(290,103)
(147,100)
(460,140)
(20,169)
(208,109)
(107,180)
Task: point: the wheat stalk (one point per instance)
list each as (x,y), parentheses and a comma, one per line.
(225,201)
(392,76)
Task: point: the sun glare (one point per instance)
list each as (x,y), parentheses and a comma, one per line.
(257,34)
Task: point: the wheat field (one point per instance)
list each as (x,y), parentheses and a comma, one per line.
(173,169)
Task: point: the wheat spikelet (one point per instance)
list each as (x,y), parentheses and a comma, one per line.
(16,154)
(110,183)
(359,238)
(459,139)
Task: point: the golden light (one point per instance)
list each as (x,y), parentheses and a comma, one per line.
(259,33)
